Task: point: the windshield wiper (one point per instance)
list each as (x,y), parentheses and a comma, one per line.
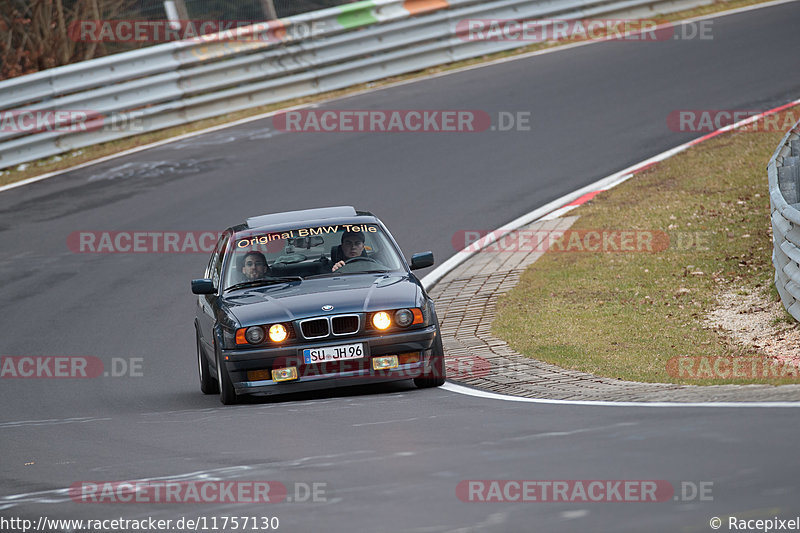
(264,281)
(338,273)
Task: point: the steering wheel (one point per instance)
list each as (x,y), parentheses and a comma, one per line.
(359,258)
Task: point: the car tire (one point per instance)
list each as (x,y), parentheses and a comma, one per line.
(208,385)
(438,373)
(227,394)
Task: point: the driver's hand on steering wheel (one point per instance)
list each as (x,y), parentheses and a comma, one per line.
(352,247)
(344,262)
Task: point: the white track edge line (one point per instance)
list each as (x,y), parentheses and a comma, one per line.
(460,389)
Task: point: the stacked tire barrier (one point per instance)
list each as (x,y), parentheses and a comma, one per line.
(783,173)
(176,83)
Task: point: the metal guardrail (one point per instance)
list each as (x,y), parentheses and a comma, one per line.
(783,174)
(176,83)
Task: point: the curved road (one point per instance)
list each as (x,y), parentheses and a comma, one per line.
(390,458)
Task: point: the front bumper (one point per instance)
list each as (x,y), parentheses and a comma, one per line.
(331,375)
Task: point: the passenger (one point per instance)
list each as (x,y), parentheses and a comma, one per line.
(352,246)
(255,266)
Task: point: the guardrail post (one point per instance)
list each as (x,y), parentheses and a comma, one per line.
(269,9)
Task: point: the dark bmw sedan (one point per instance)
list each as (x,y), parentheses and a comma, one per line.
(313,299)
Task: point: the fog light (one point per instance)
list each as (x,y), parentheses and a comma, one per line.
(381,320)
(384,362)
(284,374)
(277,333)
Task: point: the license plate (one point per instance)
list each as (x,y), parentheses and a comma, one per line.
(334,353)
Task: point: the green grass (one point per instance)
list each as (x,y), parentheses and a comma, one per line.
(624,315)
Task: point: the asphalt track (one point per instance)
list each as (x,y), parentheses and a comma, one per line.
(390,457)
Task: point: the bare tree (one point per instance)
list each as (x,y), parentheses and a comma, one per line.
(35,34)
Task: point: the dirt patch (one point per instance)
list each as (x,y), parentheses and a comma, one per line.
(753,320)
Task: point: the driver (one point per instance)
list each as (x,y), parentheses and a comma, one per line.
(352,246)
(254,266)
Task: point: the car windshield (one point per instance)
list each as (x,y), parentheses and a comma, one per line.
(305,251)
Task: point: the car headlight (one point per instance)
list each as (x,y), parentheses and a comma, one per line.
(254,335)
(403,317)
(278,333)
(381,320)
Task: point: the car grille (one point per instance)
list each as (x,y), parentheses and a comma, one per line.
(342,325)
(313,329)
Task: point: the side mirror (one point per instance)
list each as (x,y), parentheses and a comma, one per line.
(203,286)
(421,260)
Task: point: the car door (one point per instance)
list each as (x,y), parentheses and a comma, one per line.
(206,312)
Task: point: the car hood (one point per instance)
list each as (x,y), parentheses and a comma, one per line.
(347,294)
